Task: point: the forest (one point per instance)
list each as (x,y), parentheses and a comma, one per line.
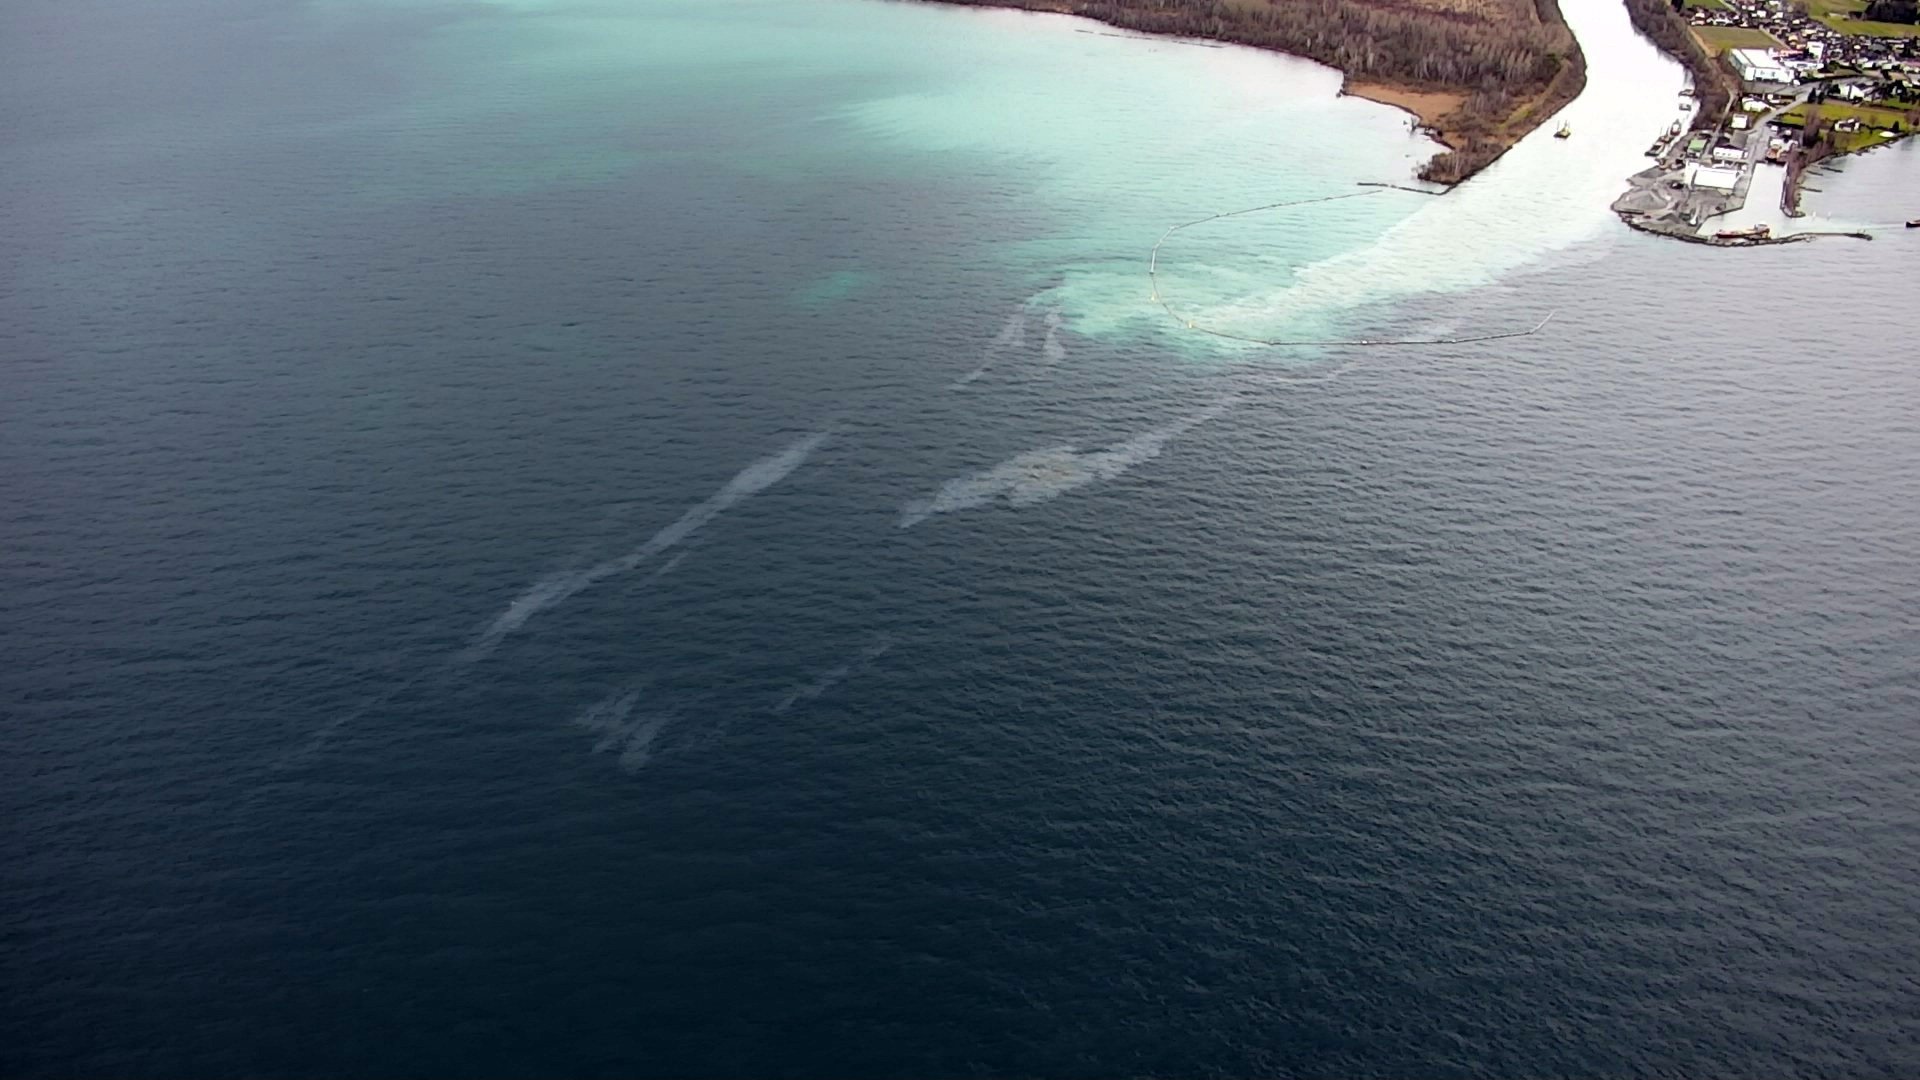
(1893,11)
(1513,62)
(1714,85)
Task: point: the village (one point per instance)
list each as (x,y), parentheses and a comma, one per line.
(1814,82)
(1803,40)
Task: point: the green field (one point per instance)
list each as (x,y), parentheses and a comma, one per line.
(1709,5)
(1874,119)
(1836,14)
(1718,39)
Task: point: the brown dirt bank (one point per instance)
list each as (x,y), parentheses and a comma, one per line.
(1478,73)
(1429,106)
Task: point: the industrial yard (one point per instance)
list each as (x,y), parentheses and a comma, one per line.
(1809,90)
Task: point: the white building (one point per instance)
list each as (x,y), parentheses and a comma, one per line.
(1759,66)
(1701,176)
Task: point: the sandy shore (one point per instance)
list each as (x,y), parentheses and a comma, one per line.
(1426,105)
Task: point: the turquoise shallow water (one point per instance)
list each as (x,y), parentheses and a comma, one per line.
(592,538)
(1077,146)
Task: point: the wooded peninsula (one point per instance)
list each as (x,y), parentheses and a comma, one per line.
(1478,73)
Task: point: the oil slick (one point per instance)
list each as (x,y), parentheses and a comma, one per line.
(1012,336)
(1039,476)
(621,731)
(1051,349)
(555,589)
(834,676)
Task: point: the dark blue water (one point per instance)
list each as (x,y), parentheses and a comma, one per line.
(1538,707)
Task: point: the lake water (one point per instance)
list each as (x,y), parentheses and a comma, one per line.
(669,538)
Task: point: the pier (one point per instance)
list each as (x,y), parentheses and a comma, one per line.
(1698,176)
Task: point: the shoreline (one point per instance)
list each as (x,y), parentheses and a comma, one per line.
(1439,109)
(1427,107)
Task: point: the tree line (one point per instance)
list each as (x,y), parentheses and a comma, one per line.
(1714,84)
(1893,11)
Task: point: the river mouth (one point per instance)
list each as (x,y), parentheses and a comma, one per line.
(1544,195)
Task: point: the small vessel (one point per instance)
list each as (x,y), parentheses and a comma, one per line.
(1758,232)
(1914,224)
(1674,130)
(1564,132)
